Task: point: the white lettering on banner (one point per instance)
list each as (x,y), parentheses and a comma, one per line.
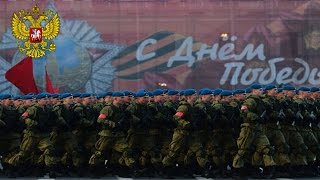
(143,57)
(234,72)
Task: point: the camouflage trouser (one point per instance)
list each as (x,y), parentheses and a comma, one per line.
(32,142)
(166,139)
(298,149)
(276,138)
(86,141)
(67,144)
(9,145)
(193,144)
(222,147)
(251,136)
(311,142)
(316,132)
(116,143)
(145,147)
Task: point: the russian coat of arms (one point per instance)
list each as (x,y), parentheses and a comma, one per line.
(34,31)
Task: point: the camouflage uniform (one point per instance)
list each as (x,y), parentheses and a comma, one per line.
(10,130)
(251,135)
(222,135)
(112,136)
(308,112)
(64,139)
(188,134)
(298,149)
(85,130)
(36,136)
(273,132)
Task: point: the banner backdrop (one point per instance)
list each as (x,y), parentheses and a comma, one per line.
(134,44)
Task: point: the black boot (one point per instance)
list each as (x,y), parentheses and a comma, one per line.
(268,172)
(168,172)
(240,173)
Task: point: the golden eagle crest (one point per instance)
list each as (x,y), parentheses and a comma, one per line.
(34,30)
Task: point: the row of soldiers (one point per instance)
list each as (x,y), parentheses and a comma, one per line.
(258,131)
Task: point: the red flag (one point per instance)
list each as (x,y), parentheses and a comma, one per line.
(49,87)
(21,75)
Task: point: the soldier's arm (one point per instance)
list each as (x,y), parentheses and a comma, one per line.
(180,117)
(57,110)
(132,109)
(104,114)
(28,116)
(2,123)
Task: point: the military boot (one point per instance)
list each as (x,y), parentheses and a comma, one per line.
(268,172)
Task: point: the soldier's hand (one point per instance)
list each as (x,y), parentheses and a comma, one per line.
(2,123)
(29,122)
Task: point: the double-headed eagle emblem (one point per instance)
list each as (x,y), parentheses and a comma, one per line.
(34,31)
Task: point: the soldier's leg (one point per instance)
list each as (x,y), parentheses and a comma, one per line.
(27,146)
(244,143)
(49,156)
(101,146)
(216,149)
(176,145)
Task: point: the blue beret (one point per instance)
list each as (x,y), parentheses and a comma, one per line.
(42,95)
(55,95)
(117,94)
(150,94)
(83,95)
(289,88)
(181,93)
(30,96)
(142,90)
(165,91)
(303,88)
(173,92)
(189,92)
(102,95)
(76,94)
(239,91)
(256,86)
(157,92)
(270,86)
(128,93)
(226,93)
(248,90)
(206,92)
(279,90)
(65,95)
(141,94)
(16,97)
(314,89)
(5,96)
(217,91)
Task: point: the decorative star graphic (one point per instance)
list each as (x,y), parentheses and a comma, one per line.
(102,72)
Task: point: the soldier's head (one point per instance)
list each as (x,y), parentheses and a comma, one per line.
(239,94)
(151,97)
(205,94)
(76,98)
(6,99)
(226,95)
(256,89)
(128,96)
(158,95)
(191,95)
(86,98)
(142,97)
(182,97)
(279,93)
(304,92)
(94,98)
(289,90)
(42,99)
(28,100)
(216,93)
(17,101)
(108,97)
(173,95)
(66,98)
(117,98)
(271,89)
(315,92)
(54,99)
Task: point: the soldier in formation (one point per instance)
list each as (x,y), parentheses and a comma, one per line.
(259,132)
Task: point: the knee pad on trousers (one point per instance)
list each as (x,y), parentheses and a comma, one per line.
(283,148)
(268,150)
(95,158)
(303,149)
